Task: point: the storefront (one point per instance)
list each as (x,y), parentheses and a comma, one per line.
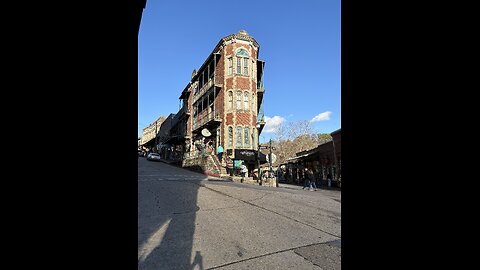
(249,157)
(324,160)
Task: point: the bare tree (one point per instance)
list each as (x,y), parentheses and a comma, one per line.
(294,137)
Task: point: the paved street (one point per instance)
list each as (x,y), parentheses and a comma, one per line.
(187,220)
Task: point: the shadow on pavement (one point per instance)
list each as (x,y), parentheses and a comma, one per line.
(167,207)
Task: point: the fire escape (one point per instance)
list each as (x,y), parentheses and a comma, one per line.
(205,114)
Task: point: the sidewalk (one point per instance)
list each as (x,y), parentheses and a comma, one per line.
(177,163)
(299,187)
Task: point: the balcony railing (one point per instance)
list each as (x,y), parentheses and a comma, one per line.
(204,119)
(260,115)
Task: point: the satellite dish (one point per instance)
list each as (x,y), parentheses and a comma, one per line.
(206,133)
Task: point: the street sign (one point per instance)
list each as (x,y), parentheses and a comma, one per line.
(274,158)
(263,147)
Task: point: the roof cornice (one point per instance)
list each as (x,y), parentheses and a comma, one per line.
(241,35)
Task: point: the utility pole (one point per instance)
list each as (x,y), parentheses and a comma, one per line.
(156,146)
(258,158)
(334,173)
(270,158)
(259,175)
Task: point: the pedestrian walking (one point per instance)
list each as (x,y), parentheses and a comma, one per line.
(309,180)
(243,171)
(220,152)
(229,166)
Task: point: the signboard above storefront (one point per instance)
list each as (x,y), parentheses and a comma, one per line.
(248,155)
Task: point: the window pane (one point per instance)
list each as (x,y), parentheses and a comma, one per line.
(245,66)
(245,101)
(230,100)
(239,137)
(239,63)
(230,136)
(239,100)
(247,137)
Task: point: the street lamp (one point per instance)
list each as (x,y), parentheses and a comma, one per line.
(259,177)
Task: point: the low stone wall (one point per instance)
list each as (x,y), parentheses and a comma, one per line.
(269,182)
(201,164)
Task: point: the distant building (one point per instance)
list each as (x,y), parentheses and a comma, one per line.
(149,134)
(165,149)
(324,160)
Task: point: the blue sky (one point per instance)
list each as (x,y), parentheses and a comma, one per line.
(299,41)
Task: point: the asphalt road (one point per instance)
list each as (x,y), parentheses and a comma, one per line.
(187,220)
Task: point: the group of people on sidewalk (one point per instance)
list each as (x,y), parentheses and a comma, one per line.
(310,181)
(229,163)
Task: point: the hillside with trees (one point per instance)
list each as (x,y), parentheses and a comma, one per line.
(294,137)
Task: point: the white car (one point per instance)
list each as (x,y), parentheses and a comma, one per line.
(153,156)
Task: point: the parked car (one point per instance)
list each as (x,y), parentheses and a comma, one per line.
(153,156)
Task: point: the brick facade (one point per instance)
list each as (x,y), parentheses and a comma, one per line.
(208,100)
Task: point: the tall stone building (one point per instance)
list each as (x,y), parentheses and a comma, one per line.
(222,103)
(149,135)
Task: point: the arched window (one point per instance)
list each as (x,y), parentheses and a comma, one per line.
(230,100)
(247,136)
(245,101)
(239,100)
(243,58)
(239,137)
(242,52)
(230,137)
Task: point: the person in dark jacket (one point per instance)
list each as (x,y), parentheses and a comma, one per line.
(309,180)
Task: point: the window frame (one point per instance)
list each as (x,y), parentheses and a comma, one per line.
(239,65)
(230,136)
(230,100)
(245,66)
(239,137)
(230,66)
(246,136)
(239,103)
